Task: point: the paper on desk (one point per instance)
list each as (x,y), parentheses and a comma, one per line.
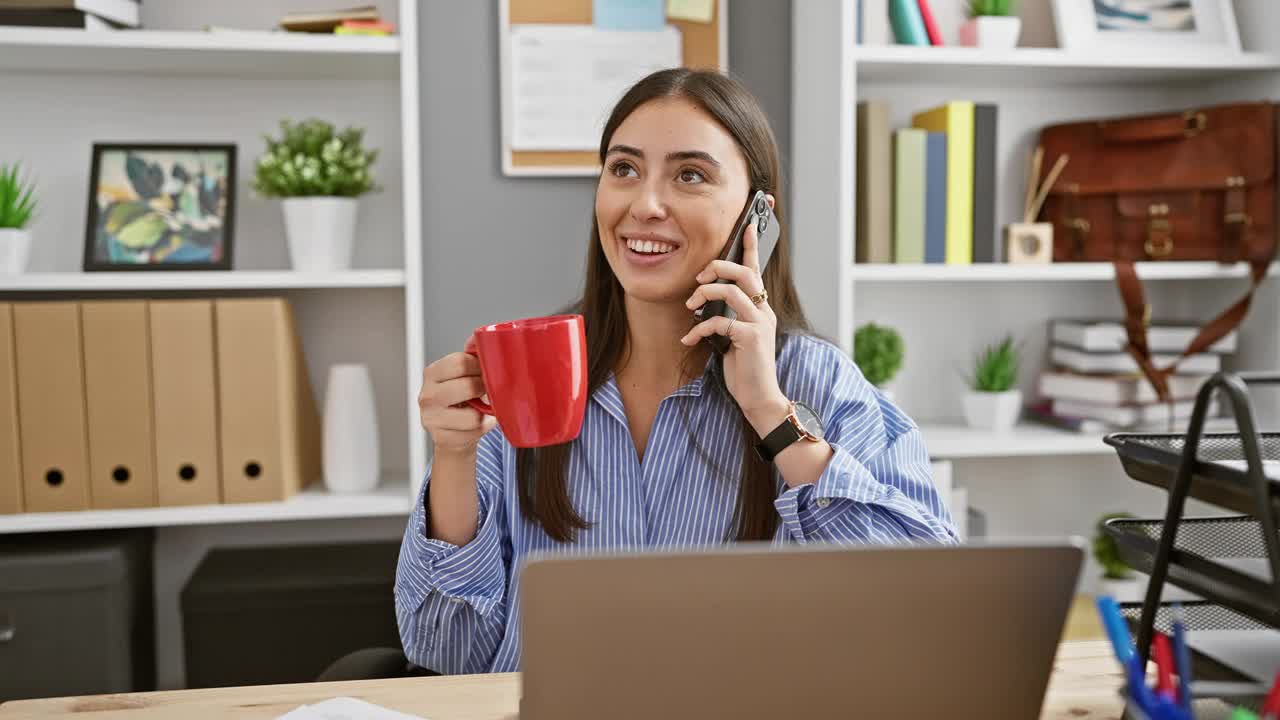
(566,78)
(345,708)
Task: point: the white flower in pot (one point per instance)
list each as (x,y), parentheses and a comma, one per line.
(878,352)
(318,173)
(994,401)
(993,24)
(17,206)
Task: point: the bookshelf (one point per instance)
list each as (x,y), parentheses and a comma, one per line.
(1061,272)
(266,280)
(248,53)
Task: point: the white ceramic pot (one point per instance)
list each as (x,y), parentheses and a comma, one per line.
(321,232)
(1123,590)
(993,411)
(350,456)
(15,250)
(991,32)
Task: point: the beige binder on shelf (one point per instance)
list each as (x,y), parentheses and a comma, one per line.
(117,383)
(185,395)
(10,450)
(270,429)
(51,415)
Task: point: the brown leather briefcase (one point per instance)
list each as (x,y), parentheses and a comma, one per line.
(1193,185)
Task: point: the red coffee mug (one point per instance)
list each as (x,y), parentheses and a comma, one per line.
(535,374)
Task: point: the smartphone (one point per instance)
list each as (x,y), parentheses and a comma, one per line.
(758,213)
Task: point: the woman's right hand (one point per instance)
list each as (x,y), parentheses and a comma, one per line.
(447,385)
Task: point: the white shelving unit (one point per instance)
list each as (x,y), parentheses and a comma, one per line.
(165,281)
(389,499)
(948,314)
(252,53)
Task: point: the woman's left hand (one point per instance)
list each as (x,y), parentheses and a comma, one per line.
(750,372)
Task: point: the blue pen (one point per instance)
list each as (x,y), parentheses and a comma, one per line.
(1116,629)
(1182,657)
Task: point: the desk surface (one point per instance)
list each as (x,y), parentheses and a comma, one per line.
(1083,687)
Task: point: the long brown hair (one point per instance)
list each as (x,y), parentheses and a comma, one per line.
(543,482)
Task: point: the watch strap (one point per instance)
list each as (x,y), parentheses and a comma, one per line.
(778,440)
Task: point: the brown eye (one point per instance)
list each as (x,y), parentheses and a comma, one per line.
(691,176)
(622,169)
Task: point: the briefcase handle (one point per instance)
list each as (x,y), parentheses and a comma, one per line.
(1154,128)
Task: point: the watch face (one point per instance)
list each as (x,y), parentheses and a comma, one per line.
(809,420)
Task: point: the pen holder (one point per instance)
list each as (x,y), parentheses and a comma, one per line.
(1028,243)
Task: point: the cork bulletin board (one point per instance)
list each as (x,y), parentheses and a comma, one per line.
(703,45)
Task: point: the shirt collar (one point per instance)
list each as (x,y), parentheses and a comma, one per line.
(610,398)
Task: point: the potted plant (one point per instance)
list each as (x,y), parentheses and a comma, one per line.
(1118,579)
(993,24)
(17,206)
(994,400)
(318,172)
(878,352)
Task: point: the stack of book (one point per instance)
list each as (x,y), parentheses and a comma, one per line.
(1094,384)
(364,20)
(82,14)
(926,193)
(904,22)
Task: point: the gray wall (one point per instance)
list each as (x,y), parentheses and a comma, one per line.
(498,248)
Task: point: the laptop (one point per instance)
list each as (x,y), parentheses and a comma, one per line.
(761,631)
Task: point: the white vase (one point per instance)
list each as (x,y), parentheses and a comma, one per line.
(321,232)
(996,411)
(991,32)
(15,250)
(350,456)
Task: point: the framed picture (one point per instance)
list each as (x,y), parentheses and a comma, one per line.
(1142,26)
(160,207)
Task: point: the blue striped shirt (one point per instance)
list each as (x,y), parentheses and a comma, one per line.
(458,607)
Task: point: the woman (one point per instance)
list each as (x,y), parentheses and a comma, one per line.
(667,455)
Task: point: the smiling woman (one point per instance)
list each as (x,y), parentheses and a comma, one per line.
(779,438)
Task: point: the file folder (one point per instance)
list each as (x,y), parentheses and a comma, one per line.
(269,426)
(51,414)
(10,451)
(117,381)
(185,396)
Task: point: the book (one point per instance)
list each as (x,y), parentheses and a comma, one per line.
(1125,415)
(323,21)
(930,24)
(1110,336)
(956,120)
(909,146)
(986,237)
(935,199)
(874,200)
(118,12)
(1115,389)
(1044,413)
(56,19)
(873,23)
(1122,362)
(364,27)
(908,26)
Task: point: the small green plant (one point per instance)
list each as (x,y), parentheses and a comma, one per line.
(1106,552)
(311,158)
(17,198)
(997,368)
(975,8)
(878,352)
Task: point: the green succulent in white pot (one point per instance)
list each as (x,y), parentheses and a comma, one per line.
(17,208)
(992,24)
(994,401)
(319,173)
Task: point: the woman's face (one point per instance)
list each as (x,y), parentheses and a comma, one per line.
(673,185)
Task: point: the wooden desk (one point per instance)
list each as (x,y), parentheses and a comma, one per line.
(1083,687)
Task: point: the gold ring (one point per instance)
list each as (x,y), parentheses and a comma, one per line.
(759,298)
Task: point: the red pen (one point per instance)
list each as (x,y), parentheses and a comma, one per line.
(1271,707)
(1165,685)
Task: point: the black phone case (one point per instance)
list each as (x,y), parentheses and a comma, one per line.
(759,213)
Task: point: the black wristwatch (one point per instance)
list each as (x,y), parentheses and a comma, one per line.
(801,422)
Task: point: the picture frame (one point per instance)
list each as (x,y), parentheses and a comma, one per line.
(1143,26)
(160,207)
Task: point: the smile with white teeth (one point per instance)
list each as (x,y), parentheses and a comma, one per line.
(650,247)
